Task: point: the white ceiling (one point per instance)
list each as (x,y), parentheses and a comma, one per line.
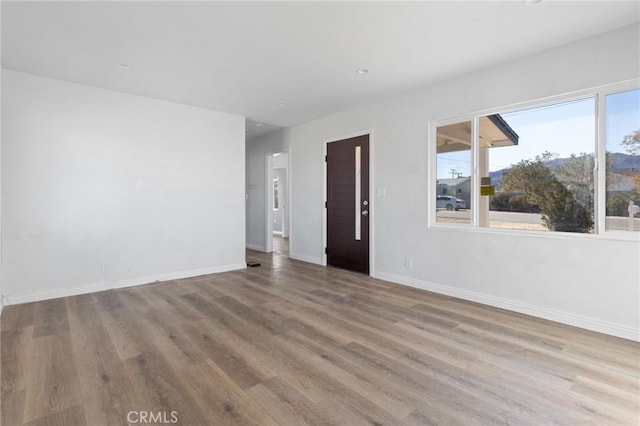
(246,57)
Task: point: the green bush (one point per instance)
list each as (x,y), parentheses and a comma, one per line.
(561,210)
(519,203)
(618,203)
(512,202)
(500,202)
(567,215)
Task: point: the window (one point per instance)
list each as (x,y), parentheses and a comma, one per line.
(622,134)
(540,165)
(453,183)
(536,168)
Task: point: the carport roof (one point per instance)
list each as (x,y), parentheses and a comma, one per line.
(494,132)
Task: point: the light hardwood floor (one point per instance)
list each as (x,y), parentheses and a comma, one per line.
(289,343)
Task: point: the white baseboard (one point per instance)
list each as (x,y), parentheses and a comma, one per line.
(109,285)
(592,324)
(255,247)
(308,259)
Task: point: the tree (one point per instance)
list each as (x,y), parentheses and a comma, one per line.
(560,208)
(632,142)
(576,174)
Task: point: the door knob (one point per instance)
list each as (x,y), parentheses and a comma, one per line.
(365,212)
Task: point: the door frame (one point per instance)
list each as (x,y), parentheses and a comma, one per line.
(268,198)
(372,201)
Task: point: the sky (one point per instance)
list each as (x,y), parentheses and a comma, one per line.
(564,129)
(623,118)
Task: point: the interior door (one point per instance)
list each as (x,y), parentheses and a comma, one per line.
(348,204)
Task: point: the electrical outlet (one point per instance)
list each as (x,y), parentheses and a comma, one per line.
(105,268)
(408,262)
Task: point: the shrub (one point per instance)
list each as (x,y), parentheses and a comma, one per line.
(560,209)
(618,203)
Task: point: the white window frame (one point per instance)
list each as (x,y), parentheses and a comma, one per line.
(601,190)
(432,191)
(599,94)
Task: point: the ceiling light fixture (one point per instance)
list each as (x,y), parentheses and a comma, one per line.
(532,2)
(281,104)
(123,66)
(259,124)
(362,71)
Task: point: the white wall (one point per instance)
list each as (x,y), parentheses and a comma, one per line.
(1,292)
(103,189)
(592,282)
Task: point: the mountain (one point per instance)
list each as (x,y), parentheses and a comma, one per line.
(625,161)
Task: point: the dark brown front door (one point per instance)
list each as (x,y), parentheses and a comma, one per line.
(348,204)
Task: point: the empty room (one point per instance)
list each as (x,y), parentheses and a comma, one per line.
(320,213)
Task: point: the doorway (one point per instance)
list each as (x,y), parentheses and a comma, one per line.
(278,182)
(348,204)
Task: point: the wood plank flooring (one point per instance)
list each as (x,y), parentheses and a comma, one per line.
(290,343)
